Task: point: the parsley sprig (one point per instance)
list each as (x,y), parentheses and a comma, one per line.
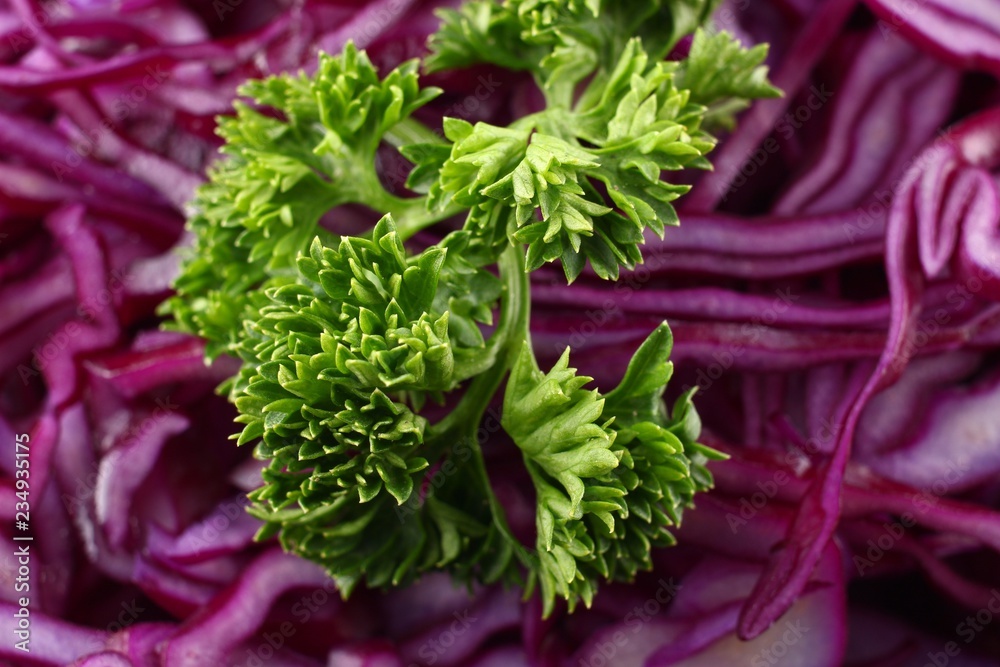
(347,342)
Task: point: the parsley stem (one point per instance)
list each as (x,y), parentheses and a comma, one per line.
(506,340)
(513,331)
(414,216)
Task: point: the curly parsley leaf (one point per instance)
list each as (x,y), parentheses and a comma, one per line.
(545,171)
(662,465)
(612,474)
(724,76)
(281,173)
(562,42)
(329,363)
(568,452)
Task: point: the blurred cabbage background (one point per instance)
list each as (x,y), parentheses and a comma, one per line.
(833,290)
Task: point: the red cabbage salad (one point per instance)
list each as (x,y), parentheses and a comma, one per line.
(562,333)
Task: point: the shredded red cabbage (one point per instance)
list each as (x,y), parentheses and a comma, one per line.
(834,290)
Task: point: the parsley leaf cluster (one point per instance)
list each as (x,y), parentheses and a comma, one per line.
(367,366)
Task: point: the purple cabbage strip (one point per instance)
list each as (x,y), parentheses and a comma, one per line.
(889,105)
(816,521)
(958,414)
(53,642)
(810,43)
(125,465)
(966,33)
(208,638)
(839,315)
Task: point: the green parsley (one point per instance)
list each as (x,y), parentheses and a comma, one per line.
(346,341)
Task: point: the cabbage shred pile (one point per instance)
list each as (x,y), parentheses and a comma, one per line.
(832,291)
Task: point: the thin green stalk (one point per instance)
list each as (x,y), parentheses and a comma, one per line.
(513,331)
(416,217)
